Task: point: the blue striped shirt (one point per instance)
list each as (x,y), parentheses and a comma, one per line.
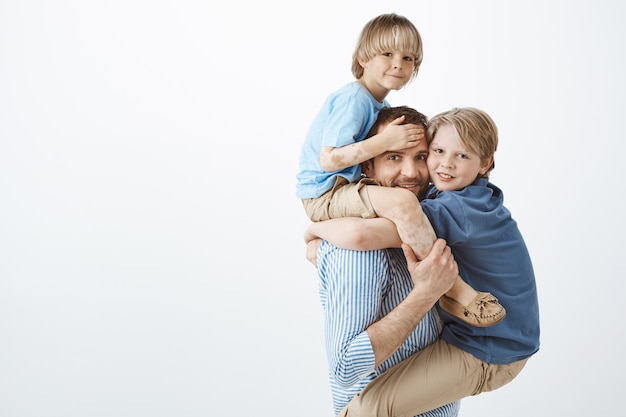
(357,289)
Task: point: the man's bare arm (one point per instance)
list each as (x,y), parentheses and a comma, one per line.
(432,277)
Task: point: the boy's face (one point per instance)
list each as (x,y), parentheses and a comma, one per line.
(405,168)
(389,70)
(451,165)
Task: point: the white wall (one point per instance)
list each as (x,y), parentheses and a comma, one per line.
(151,261)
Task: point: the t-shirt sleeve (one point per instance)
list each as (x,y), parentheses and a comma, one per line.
(448,218)
(347,120)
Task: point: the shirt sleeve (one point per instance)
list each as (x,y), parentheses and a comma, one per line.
(448,218)
(352,288)
(347,121)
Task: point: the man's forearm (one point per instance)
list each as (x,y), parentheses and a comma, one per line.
(388,334)
(432,277)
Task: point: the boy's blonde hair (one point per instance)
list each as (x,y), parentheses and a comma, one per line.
(385,33)
(476,130)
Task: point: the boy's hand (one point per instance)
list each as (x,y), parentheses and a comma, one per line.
(401,136)
(311,250)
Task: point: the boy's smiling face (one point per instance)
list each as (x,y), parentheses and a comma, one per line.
(452,165)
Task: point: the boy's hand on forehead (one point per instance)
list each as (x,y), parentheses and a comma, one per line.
(401,136)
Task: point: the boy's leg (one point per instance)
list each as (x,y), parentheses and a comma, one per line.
(404,210)
(437,375)
(343,200)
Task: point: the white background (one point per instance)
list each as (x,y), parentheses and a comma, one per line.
(151,254)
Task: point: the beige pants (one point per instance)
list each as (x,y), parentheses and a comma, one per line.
(435,376)
(343,200)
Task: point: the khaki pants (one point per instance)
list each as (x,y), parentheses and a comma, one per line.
(435,376)
(343,200)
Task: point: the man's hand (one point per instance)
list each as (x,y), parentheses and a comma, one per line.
(434,275)
(432,278)
(311,250)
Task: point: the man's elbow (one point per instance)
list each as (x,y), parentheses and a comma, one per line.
(344,378)
(346,374)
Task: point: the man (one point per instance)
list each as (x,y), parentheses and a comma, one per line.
(378,311)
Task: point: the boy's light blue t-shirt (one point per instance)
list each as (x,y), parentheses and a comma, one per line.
(345,118)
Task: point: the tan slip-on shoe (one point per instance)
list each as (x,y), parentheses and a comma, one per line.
(484,311)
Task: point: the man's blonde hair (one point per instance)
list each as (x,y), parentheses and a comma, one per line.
(386,33)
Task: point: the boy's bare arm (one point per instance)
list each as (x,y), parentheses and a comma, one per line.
(356,233)
(393,137)
(312,247)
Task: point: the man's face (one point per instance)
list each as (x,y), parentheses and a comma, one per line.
(405,168)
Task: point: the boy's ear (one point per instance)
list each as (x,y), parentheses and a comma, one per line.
(487,165)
